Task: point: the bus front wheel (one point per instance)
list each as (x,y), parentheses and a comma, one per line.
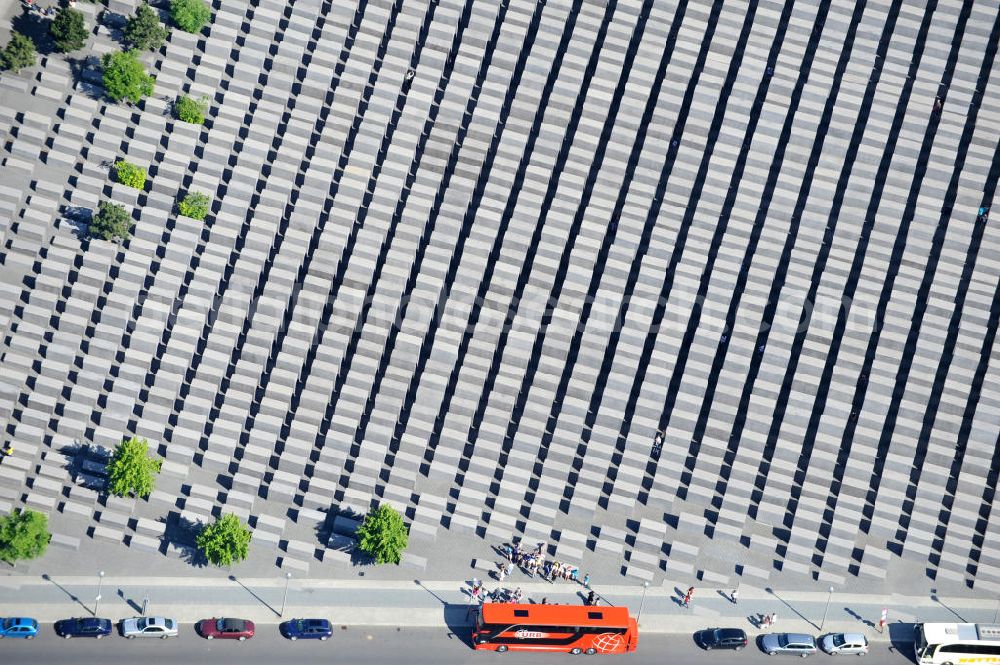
(576,651)
(502,648)
(591,651)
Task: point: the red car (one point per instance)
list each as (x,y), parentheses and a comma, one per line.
(226,629)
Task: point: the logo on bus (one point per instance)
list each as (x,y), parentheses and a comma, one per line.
(608,642)
(530,635)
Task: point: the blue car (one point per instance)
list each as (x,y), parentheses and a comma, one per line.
(83,627)
(18,627)
(307,629)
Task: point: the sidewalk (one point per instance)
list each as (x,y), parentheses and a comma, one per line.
(438,604)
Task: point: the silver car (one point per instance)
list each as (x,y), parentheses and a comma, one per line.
(149,627)
(836,644)
(788,644)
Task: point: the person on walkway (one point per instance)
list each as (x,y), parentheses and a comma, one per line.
(510,569)
(586,580)
(774,619)
(734,596)
(591,598)
(503,572)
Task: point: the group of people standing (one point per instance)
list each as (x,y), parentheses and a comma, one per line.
(534,563)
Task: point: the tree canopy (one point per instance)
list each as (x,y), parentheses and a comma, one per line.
(195,205)
(132,470)
(68,30)
(112,222)
(125,77)
(190,15)
(19,52)
(383,534)
(191,110)
(143,29)
(23,535)
(129,174)
(225,542)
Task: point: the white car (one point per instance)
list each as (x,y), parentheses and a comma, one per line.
(149,627)
(837,644)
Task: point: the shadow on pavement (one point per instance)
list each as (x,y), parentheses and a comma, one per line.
(459,620)
(901,639)
(72,596)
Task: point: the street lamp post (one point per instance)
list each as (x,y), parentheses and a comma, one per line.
(288,577)
(645,585)
(827,609)
(100,583)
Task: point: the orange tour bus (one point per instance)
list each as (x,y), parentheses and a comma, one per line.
(568,628)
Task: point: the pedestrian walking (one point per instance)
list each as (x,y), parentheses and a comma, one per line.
(774,619)
(591,598)
(734,596)
(503,573)
(766,622)
(586,580)
(510,568)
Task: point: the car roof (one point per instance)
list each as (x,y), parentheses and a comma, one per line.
(21,621)
(234,624)
(798,637)
(316,622)
(730,632)
(854,637)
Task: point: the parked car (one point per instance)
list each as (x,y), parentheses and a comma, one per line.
(306,629)
(839,644)
(721,638)
(788,644)
(83,627)
(149,627)
(226,629)
(22,627)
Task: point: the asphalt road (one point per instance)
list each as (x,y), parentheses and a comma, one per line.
(361,646)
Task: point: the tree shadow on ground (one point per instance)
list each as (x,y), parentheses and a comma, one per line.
(88,75)
(34,25)
(86,464)
(324,529)
(181,533)
(77,219)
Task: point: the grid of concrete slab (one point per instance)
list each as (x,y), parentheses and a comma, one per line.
(468,258)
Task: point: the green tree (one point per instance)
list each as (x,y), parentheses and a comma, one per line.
(125,77)
(68,30)
(23,535)
(111,222)
(190,15)
(19,52)
(129,174)
(226,542)
(194,205)
(143,30)
(191,110)
(383,534)
(132,470)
